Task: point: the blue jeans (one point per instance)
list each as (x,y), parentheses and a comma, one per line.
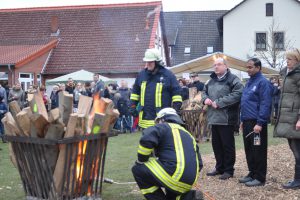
(124,123)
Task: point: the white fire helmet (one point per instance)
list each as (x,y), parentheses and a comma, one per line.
(165,111)
(152,55)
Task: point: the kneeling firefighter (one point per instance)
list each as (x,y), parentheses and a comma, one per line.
(177,161)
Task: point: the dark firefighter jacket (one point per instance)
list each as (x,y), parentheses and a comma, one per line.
(155,92)
(179,160)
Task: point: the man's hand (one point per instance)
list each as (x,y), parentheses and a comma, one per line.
(241,127)
(208,102)
(214,105)
(298,125)
(257,129)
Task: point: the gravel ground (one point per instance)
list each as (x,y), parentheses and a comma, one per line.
(280,169)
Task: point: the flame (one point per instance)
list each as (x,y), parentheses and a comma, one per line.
(98,107)
(80,159)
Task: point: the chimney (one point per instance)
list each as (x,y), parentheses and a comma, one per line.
(54,24)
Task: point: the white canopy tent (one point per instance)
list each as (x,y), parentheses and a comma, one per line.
(205,63)
(78,76)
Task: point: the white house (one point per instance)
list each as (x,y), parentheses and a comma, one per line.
(245,27)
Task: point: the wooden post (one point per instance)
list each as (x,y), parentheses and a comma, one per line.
(37,105)
(39,122)
(11,125)
(14,108)
(54,115)
(10,132)
(65,106)
(84,105)
(54,132)
(59,168)
(24,122)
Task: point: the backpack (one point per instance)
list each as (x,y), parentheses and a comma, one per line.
(122,106)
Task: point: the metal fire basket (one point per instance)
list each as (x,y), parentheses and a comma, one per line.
(83,166)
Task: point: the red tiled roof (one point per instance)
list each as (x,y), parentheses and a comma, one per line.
(99,38)
(24,52)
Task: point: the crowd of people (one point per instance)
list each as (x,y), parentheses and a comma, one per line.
(154,103)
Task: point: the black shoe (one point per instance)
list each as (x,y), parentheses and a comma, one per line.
(225,176)
(213,173)
(254,183)
(295,184)
(245,179)
(193,195)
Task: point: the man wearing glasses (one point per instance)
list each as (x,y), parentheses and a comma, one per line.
(222,95)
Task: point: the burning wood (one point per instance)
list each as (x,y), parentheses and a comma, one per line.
(72,173)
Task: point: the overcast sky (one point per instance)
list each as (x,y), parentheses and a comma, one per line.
(168,5)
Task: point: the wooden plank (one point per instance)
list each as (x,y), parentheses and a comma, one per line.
(37,105)
(12,125)
(14,108)
(8,131)
(84,105)
(54,115)
(98,121)
(24,122)
(54,132)
(28,111)
(59,168)
(65,106)
(81,125)
(39,123)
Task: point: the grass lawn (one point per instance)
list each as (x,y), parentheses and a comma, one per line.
(119,160)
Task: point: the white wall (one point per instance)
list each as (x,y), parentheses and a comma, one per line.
(242,23)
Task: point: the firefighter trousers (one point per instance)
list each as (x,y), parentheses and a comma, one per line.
(151,187)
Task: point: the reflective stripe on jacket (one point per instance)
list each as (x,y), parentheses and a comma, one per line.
(178,162)
(154,92)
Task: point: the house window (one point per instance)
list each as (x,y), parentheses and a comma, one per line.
(279,40)
(187,50)
(39,79)
(210,50)
(26,79)
(170,51)
(269,9)
(261,41)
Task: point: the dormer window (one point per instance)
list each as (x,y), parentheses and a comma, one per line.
(187,50)
(269,9)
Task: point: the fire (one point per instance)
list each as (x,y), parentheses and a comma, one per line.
(98,107)
(80,159)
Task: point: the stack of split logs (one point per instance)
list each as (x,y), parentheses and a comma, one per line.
(94,116)
(194,114)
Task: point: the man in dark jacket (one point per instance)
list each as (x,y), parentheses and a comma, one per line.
(256,106)
(196,82)
(178,160)
(155,88)
(222,95)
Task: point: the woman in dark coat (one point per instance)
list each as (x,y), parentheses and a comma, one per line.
(288,124)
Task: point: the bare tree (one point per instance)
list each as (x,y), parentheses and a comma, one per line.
(276,43)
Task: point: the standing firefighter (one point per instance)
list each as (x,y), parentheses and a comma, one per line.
(155,88)
(177,164)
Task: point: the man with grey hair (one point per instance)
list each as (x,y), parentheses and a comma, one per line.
(222,95)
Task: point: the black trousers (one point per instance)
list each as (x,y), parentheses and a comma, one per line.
(145,180)
(295,147)
(224,147)
(256,155)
